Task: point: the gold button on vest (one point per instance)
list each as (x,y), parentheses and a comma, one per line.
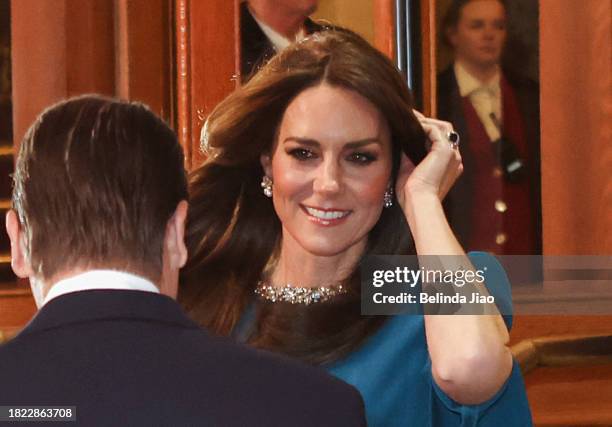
(500,206)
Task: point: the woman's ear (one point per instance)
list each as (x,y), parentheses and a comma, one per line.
(266,164)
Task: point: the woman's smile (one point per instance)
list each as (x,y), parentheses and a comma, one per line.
(326,217)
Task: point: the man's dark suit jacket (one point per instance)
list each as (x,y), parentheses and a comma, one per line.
(132,358)
(255,48)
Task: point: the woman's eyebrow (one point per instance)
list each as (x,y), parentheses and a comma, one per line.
(305,141)
(314,143)
(362,142)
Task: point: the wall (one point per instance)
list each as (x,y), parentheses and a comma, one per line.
(353,14)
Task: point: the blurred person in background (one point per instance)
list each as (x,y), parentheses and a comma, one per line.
(268,26)
(495,205)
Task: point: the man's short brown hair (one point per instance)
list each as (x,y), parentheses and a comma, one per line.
(95,184)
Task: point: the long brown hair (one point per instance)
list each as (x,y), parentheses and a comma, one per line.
(233,230)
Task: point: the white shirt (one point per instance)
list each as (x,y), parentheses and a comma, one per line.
(484,96)
(277,39)
(100,279)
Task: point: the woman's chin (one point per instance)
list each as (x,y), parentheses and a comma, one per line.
(327,248)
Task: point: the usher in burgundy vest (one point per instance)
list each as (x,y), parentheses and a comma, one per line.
(501,219)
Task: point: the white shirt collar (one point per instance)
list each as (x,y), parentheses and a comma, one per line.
(277,39)
(100,279)
(468,83)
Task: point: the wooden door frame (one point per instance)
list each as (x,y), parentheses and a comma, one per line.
(207,64)
(384,40)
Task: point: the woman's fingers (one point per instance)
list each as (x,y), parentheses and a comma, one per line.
(437,130)
(441,169)
(439,139)
(418,114)
(443,125)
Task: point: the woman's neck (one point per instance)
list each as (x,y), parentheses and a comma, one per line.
(299,267)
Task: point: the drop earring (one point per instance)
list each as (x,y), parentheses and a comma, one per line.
(266,184)
(388,197)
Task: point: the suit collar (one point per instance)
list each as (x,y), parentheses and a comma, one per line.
(278,40)
(312,27)
(95,305)
(100,279)
(255,47)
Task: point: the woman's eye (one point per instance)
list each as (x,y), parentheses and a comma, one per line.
(362,158)
(302,154)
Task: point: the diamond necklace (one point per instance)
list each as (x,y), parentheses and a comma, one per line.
(298,294)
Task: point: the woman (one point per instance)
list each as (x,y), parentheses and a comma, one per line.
(311,168)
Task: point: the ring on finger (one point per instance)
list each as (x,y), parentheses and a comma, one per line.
(453,139)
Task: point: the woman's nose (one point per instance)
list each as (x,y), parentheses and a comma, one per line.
(329,178)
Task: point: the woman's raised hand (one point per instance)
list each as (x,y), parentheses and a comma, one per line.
(438,171)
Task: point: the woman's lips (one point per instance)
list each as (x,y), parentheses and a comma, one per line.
(326,217)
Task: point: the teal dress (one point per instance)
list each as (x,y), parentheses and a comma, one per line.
(392,370)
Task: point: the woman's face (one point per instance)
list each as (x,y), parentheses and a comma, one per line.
(330,168)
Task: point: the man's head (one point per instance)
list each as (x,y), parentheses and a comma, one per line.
(98,183)
(476,30)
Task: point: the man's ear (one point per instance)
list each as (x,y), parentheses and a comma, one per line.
(174,240)
(266,164)
(175,251)
(19,259)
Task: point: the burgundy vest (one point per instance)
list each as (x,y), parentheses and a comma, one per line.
(501,217)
